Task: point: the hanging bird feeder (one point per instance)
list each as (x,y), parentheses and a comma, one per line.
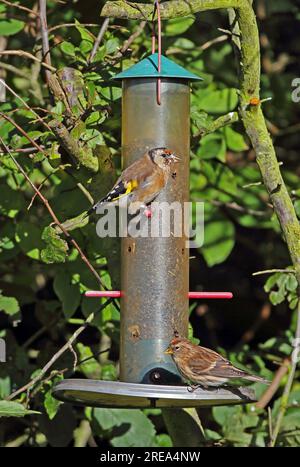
(155,270)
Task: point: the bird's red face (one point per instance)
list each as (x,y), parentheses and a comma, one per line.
(170,156)
(177,345)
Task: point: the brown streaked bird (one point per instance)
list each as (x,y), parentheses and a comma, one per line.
(142,181)
(205,367)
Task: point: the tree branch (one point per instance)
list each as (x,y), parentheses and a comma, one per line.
(49,364)
(45,36)
(171,9)
(53,215)
(82,155)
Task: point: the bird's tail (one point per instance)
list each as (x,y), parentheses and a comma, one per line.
(256,379)
(95,206)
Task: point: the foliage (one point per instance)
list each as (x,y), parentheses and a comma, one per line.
(74,157)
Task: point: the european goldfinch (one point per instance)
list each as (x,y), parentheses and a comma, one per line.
(142,181)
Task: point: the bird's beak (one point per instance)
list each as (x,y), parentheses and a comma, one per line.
(173,157)
(168,351)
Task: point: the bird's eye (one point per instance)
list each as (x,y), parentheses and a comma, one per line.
(177,347)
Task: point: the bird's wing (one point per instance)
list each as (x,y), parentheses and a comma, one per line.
(140,170)
(136,176)
(202,361)
(215,364)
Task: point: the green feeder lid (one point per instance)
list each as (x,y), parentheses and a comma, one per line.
(148,68)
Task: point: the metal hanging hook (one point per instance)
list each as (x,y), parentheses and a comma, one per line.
(157,9)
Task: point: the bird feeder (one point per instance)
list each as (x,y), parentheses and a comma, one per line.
(154,270)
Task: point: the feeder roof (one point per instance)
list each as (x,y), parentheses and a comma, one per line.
(148,68)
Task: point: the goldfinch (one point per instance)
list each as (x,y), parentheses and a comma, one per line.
(142,181)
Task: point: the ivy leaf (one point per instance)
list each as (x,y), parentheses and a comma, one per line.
(14,409)
(56,249)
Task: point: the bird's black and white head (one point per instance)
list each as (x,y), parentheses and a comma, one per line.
(163,157)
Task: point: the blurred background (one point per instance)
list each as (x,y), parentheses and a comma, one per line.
(42,276)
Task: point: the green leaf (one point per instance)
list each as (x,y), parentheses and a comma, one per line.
(67,292)
(14,409)
(84,32)
(212,147)
(11,201)
(219,239)
(163,441)
(111,93)
(277,297)
(56,249)
(10,27)
(178,26)
(135,427)
(9,305)
(68,48)
(234,140)
(221,101)
(111,45)
(28,236)
(291,283)
(271,281)
(51,405)
(235,424)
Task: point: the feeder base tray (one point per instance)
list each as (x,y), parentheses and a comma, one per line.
(115,394)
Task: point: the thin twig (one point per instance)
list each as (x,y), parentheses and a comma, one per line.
(23,53)
(22,150)
(214,41)
(131,39)
(58,354)
(271,390)
(270,422)
(53,215)
(237,207)
(20,7)
(70,25)
(262,317)
(98,40)
(24,133)
(40,119)
(39,333)
(288,387)
(45,36)
(14,69)
(273,271)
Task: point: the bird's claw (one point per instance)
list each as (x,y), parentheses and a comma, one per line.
(193,387)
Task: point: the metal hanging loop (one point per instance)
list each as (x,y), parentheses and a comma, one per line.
(157,9)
